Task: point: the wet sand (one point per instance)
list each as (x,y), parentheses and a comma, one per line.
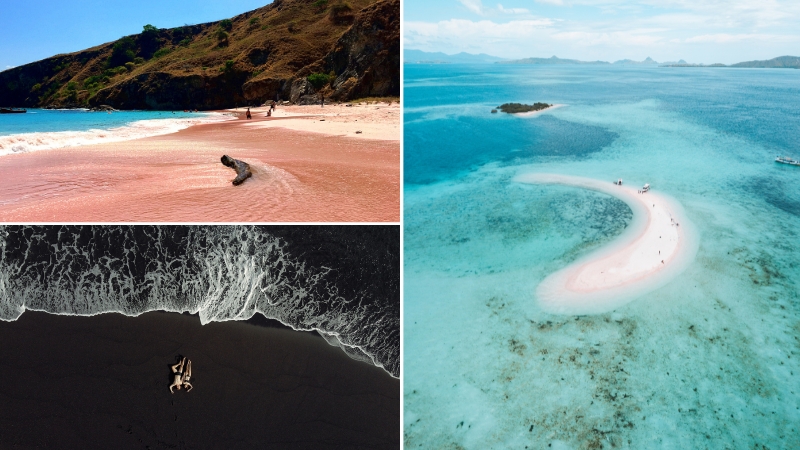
(298,175)
(102,382)
(653,249)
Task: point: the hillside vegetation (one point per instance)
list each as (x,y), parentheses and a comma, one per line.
(349,49)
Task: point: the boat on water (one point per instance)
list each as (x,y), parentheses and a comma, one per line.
(787,160)
(12,111)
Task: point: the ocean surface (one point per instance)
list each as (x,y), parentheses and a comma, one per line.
(342,282)
(41,129)
(709,360)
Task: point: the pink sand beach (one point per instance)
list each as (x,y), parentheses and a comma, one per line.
(305,169)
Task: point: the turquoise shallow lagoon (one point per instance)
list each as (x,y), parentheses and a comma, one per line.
(710,360)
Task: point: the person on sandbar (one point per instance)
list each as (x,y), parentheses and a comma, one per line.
(247,114)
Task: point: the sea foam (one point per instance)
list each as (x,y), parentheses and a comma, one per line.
(28,142)
(220,273)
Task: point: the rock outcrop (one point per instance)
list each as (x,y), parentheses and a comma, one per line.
(366,59)
(242,169)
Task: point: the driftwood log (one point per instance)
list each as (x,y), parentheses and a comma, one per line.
(242,169)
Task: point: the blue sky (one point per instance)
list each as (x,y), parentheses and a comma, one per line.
(699,31)
(30,31)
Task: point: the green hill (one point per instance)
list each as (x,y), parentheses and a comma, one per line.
(251,58)
(791,62)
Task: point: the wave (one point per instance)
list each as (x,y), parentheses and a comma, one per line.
(28,142)
(220,273)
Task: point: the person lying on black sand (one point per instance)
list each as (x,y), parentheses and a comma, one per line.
(187,375)
(182,373)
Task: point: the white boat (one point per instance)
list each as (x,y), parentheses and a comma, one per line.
(787,160)
(646,187)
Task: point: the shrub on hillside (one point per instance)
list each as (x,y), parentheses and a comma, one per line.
(222,37)
(341,13)
(161,52)
(228,66)
(318,80)
(226,24)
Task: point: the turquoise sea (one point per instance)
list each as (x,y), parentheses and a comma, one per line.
(41,129)
(709,360)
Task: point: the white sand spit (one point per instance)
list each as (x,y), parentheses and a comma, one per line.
(654,249)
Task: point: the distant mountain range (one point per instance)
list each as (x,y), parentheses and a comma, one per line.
(781,62)
(420,57)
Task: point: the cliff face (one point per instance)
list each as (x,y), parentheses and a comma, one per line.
(254,57)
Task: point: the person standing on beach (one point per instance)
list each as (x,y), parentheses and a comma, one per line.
(247,114)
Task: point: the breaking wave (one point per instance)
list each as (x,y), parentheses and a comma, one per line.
(27,142)
(218,272)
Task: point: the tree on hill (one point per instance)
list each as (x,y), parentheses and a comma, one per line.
(122,52)
(149,41)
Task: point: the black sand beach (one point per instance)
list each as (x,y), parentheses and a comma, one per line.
(102,382)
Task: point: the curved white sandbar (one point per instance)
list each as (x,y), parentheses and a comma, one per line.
(657,245)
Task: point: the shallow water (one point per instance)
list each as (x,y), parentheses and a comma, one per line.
(42,129)
(709,360)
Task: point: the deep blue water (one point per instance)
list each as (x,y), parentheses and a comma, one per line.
(752,104)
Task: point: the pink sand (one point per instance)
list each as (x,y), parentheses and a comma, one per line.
(297,177)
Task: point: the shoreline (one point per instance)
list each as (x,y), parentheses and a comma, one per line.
(35,141)
(90,382)
(298,175)
(541,111)
(649,253)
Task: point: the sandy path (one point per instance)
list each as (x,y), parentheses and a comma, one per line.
(651,251)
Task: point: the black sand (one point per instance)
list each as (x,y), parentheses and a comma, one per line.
(102,382)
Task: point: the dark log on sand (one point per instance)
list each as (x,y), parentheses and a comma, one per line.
(242,169)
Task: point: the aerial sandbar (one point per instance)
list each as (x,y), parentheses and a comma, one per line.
(657,245)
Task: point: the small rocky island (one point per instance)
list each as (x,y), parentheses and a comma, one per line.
(513,108)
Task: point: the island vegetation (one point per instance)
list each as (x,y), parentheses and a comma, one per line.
(513,108)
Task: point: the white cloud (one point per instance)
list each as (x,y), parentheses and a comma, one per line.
(512,10)
(723,38)
(474,5)
(701,30)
